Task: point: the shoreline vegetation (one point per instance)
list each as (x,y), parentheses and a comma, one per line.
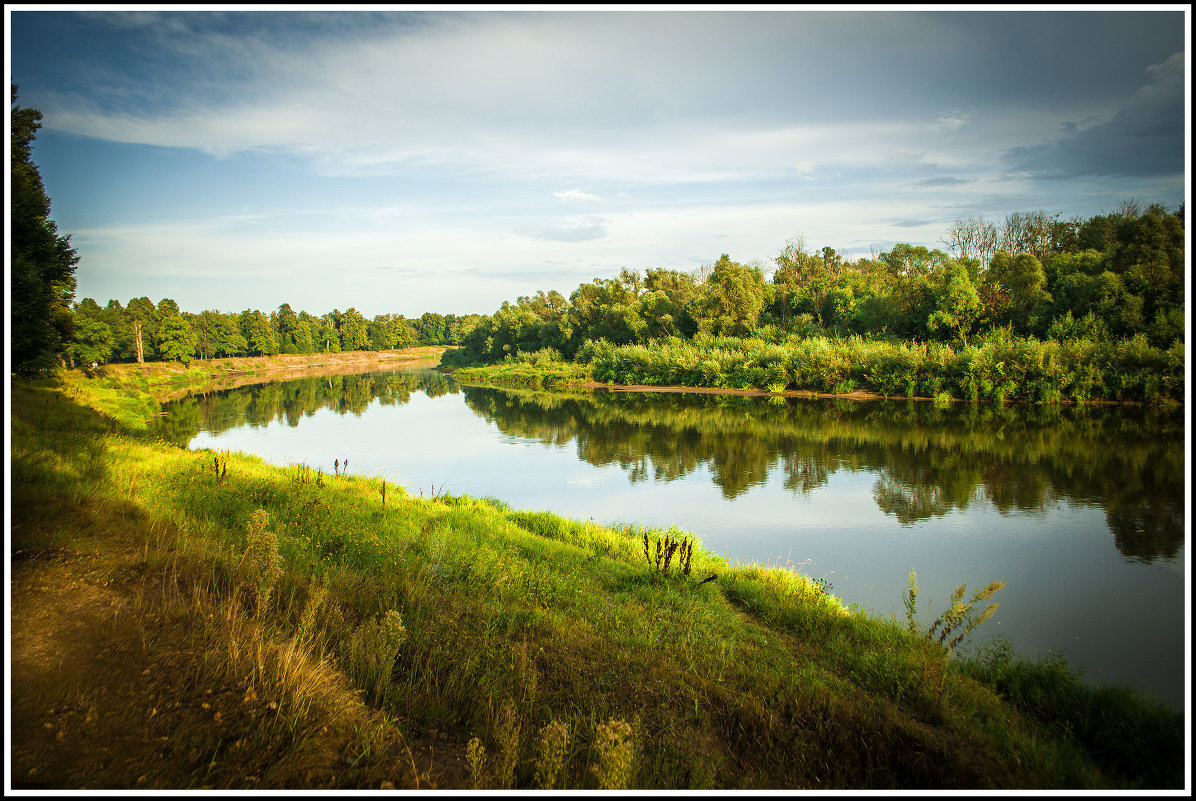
(198,619)
(998,369)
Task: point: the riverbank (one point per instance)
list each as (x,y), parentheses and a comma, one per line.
(996,368)
(189,619)
(166,380)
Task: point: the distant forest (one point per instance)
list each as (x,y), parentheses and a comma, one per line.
(145,331)
(1112,277)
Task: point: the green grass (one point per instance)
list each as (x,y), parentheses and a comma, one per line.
(459,618)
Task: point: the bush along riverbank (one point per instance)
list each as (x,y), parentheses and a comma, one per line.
(202,619)
(994,367)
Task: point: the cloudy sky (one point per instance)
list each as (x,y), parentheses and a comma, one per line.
(448,160)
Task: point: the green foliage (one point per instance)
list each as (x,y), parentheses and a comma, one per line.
(354,334)
(43,262)
(957,304)
(176,340)
(93,342)
(730,300)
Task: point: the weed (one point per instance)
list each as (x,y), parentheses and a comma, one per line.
(370,653)
(958,617)
(615,754)
(662,558)
(221,465)
(475,758)
(911,602)
(307,622)
(508,745)
(261,558)
(554,740)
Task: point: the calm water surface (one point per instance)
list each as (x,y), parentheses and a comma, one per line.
(1080,511)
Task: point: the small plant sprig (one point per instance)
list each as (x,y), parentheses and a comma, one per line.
(508,745)
(383,493)
(554,740)
(475,757)
(662,559)
(615,752)
(261,557)
(221,467)
(371,651)
(959,619)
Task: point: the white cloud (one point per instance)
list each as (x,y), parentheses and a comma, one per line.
(577,196)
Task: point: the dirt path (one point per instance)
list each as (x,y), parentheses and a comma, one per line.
(66,673)
(104,697)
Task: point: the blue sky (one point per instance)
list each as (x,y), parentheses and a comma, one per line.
(448,160)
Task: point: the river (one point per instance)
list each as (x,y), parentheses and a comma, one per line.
(1080,510)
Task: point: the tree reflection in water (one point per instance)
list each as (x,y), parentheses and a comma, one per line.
(1128,461)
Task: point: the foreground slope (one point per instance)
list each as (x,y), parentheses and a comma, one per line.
(198,619)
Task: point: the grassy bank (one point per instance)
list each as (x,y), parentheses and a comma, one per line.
(996,367)
(268,627)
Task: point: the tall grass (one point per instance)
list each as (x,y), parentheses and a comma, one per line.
(994,367)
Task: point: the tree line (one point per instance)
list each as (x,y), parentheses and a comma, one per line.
(144,331)
(1110,277)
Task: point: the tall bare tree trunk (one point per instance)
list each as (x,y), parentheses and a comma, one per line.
(137,333)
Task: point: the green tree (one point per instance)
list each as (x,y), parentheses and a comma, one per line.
(598,310)
(217,334)
(405,334)
(801,281)
(43,262)
(1014,290)
(353,330)
(113,315)
(328,339)
(93,343)
(304,337)
(144,321)
(381,331)
(431,328)
(258,332)
(287,328)
(957,304)
(176,340)
(730,301)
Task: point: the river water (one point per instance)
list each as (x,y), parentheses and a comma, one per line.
(1080,510)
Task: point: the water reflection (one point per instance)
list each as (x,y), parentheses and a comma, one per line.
(928,462)
(290,401)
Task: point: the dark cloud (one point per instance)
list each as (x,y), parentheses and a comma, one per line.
(1145,137)
(910,223)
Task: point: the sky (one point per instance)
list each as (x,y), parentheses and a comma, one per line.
(449,159)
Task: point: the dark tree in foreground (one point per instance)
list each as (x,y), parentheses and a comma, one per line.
(43,263)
